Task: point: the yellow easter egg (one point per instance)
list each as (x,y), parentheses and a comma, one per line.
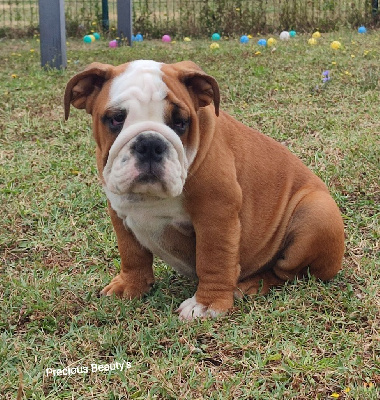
(316,35)
(214,46)
(187,39)
(312,41)
(335,45)
(271,42)
(92,38)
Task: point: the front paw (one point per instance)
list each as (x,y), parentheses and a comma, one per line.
(126,288)
(190,309)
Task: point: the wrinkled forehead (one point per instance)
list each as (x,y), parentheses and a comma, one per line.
(141,81)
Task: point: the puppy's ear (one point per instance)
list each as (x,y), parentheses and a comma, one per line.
(83,88)
(203,86)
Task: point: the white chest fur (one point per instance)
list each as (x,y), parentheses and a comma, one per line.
(162,226)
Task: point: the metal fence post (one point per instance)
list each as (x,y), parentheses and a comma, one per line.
(124,20)
(52,33)
(375,7)
(105,17)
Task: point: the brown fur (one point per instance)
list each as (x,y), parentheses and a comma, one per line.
(260,216)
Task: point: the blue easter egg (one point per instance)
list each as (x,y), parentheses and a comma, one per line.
(87,39)
(215,36)
(262,42)
(139,37)
(244,39)
(96,35)
(362,29)
(292,33)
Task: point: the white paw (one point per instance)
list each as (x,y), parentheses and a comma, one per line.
(191,309)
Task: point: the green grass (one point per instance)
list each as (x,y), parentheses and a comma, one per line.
(306,340)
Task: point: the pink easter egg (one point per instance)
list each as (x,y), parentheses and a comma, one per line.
(166,38)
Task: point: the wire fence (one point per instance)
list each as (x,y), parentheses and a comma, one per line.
(196,18)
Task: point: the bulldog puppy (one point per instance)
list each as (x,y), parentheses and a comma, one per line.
(218,201)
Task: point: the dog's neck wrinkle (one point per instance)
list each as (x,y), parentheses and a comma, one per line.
(206,123)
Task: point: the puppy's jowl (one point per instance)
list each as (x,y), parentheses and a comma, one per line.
(216,200)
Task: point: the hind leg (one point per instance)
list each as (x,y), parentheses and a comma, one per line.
(315,239)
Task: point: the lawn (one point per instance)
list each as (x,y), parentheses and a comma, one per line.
(306,340)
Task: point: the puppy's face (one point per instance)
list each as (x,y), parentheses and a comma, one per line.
(144,121)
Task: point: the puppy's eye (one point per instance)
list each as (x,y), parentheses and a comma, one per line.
(115,120)
(118,119)
(180,125)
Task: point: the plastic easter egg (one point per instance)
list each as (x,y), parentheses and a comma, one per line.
(139,37)
(87,39)
(312,41)
(262,42)
(362,29)
(244,39)
(96,35)
(166,39)
(335,45)
(316,35)
(112,44)
(292,34)
(215,37)
(284,35)
(214,46)
(271,42)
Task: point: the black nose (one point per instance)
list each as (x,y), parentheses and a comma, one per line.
(149,148)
